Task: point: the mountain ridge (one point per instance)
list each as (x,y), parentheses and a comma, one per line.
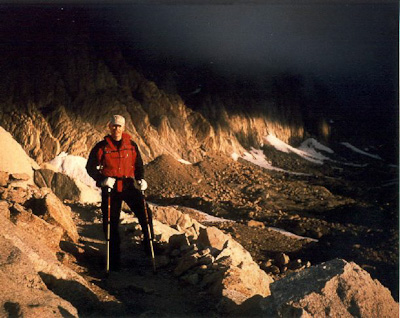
(64,80)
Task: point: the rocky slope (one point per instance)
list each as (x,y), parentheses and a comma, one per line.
(52,264)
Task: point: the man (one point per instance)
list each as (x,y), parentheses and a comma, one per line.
(115,163)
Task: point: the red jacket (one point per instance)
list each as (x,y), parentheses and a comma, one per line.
(115,159)
(117,162)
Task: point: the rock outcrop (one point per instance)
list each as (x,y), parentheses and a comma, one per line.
(208,257)
(36,281)
(13,158)
(331,289)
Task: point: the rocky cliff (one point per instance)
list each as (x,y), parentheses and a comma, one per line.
(61,81)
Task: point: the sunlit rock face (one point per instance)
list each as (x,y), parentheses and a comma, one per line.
(69,106)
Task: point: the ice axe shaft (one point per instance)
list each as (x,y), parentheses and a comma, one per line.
(108,230)
(150,232)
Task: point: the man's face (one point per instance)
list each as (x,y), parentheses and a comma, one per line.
(116,131)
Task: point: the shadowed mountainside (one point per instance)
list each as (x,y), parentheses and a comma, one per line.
(63,78)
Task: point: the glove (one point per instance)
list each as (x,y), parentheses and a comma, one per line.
(141,184)
(108,182)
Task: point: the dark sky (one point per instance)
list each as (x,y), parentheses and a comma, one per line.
(337,40)
(351,46)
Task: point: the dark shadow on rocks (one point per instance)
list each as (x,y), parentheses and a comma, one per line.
(83,299)
(343,245)
(89,254)
(13,309)
(257,306)
(65,313)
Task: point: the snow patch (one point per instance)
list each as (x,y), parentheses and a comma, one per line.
(257,157)
(73,166)
(355,149)
(307,150)
(290,234)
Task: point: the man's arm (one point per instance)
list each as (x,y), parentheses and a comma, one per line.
(139,169)
(92,165)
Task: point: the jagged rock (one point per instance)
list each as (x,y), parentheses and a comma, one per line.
(242,278)
(29,297)
(19,176)
(173,217)
(163,232)
(211,236)
(335,289)
(52,210)
(233,277)
(16,194)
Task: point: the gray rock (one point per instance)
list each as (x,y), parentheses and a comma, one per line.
(335,289)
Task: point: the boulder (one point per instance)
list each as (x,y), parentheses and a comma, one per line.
(66,187)
(44,232)
(43,177)
(62,185)
(53,211)
(186,262)
(13,159)
(331,289)
(213,237)
(26,295)
(242,277)
(38,285)
(178,241)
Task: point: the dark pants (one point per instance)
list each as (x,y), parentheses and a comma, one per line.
(134,199)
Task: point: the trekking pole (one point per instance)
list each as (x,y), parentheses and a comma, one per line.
(108,230)
(150,231)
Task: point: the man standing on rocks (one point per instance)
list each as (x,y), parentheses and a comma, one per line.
(116,165)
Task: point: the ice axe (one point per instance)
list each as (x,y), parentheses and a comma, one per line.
(108,230)
(150,232)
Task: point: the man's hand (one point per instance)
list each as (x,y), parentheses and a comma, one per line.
(108,182)
(141,184)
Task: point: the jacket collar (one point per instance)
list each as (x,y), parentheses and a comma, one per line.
(125,141)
